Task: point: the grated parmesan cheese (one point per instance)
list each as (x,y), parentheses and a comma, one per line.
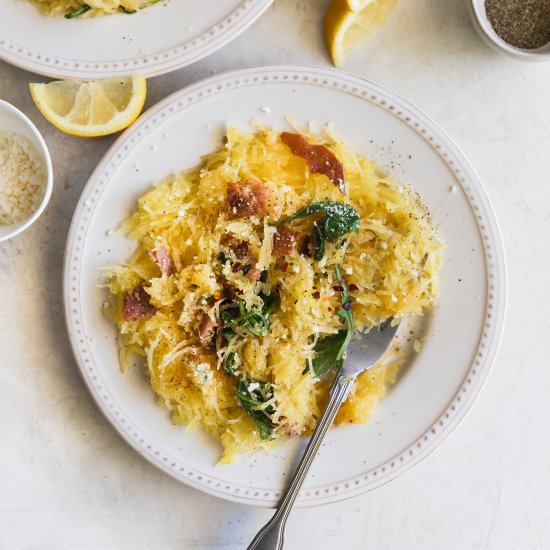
(22,178)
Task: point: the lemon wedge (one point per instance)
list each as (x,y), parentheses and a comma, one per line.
(91,109)
(348,23)
(357,5)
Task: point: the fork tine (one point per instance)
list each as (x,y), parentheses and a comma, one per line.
(367,350)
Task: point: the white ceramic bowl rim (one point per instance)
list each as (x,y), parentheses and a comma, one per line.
(478,10)
(45,154)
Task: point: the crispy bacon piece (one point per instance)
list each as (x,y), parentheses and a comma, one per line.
(240,248)
(254,274)
(284,240)
(137,304)
(162,259)
(207,330)
(320,159)
(237,266)
(291,431)
(246,199)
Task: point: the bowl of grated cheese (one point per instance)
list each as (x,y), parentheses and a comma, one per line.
(26,177)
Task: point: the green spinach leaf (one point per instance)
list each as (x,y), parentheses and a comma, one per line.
(230,362)
(252,394)
(338,219)
(255,320)
(327,350)
(271,301)
(228,333)
(330,350)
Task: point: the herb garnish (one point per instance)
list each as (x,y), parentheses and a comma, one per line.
(338,219)
(330,350)
(270,303)
(230,363)
(79,11)
(252,395)
(85,7)
(255,320)
(228,333)
(237,316)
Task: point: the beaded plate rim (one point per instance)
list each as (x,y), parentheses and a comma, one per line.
(153,64)
(480,204)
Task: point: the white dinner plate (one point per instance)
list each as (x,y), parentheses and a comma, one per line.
(162,38)
(462,336)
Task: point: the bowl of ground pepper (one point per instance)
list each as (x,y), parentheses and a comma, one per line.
(519,28)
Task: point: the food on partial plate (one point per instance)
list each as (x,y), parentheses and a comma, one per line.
(349,23)
(77,8)
(23,178)
(252,271)
(91,109)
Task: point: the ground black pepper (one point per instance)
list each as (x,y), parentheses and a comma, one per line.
(522,23)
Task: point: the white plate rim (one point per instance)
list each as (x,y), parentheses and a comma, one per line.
(495,310)
(149,65)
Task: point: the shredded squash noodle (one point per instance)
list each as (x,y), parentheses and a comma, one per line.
(252,268)
(81,8)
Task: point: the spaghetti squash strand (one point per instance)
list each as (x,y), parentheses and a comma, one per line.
(268,329)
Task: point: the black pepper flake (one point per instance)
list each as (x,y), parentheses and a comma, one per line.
(521,23)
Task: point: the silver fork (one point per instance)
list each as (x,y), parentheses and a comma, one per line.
(362,354)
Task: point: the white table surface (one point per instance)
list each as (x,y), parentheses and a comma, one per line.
(68,481)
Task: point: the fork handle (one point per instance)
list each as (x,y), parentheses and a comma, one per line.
(271,536)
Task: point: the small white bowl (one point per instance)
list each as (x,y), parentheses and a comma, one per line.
(492,39)
(13,120)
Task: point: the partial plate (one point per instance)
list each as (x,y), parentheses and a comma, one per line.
(462,335)
(159,39)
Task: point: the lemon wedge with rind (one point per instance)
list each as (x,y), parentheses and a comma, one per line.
(357,5)
(91,109)
(348,23)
